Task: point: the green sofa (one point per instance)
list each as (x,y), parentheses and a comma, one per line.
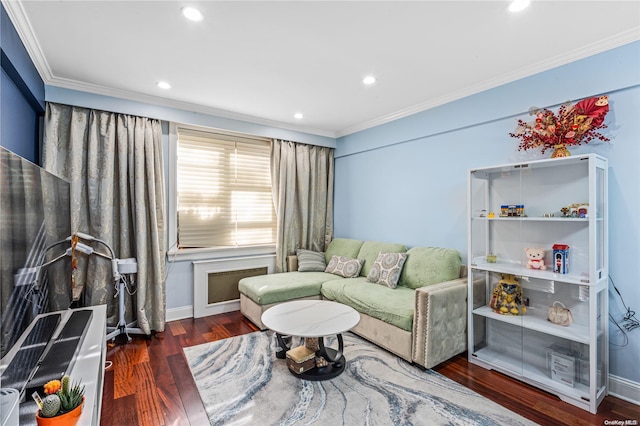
(423,320)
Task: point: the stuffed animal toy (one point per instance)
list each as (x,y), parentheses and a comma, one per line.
(507,298)
(536,258)
(509,305)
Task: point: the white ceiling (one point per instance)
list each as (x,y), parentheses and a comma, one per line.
(264,61)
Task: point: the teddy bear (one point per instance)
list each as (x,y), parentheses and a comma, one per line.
(536,258)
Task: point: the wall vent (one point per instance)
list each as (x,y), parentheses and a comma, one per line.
(223,286)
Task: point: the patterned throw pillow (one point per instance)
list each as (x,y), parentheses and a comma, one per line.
(344,266)
(387,268)
(310,261)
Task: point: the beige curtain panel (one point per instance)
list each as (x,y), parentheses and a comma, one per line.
(302,185)
(114,163)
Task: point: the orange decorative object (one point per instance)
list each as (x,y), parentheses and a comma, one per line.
(52,386)
(67,419)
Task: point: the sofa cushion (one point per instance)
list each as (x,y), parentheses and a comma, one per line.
(276,288)
(310,261)
(391,305)
(343,247)
(386,269)
(370,251)
(429,265)
(344,266)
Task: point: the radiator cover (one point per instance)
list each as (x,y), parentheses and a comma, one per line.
(215,282)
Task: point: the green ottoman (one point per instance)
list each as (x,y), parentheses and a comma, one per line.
(259,293)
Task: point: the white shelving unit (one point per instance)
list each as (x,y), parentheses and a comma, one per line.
(570,362)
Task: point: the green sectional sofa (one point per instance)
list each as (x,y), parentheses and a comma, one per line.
(422,320)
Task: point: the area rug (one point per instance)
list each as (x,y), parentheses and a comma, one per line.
(241,382)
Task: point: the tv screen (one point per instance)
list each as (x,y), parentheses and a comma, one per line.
(34,218)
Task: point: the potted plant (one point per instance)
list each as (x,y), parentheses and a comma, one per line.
(62,404)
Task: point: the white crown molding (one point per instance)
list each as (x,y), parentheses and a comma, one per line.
(556,61)
(181,105)
(25,31)
(23,27)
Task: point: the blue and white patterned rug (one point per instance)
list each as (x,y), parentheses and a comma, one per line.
(241,382)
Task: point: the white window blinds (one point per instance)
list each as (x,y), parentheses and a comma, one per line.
(224,190)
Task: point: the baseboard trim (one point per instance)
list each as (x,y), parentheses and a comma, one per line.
(182,312)
(624,389)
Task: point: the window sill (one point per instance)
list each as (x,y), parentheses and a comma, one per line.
(179,255)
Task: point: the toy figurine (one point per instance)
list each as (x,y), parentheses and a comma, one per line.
(512,210)
(507,298)
(576,210)
(561,258)
(536,258)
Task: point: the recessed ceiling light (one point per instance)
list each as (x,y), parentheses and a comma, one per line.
(368,80)
(192,14)
(518,5)
(298,115)
(163,85)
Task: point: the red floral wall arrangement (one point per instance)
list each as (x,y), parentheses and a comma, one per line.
(572,125)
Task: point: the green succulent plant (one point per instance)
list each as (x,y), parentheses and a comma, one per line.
(63,396)
(70,394)
(65,383)
(50,405)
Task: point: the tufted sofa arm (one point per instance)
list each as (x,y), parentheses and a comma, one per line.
(440,322)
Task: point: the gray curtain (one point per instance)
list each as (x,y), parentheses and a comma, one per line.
(302,185)
(114,163)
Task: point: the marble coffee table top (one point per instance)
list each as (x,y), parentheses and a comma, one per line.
(310,318)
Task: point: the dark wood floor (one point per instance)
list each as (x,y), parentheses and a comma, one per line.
(149,382)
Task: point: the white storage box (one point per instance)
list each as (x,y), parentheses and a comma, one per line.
(9,407)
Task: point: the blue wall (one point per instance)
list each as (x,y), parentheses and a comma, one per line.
(405,181)
(21,94)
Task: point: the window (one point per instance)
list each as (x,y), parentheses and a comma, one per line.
(223,187)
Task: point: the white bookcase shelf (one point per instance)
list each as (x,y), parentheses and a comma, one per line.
(537,321)
(568,361)
(536,219)
(513,366)
(518,269)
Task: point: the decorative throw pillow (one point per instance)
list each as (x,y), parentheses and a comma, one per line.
(344,266)
(310,261)
(387,268)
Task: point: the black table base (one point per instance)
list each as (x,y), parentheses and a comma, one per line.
(335,359)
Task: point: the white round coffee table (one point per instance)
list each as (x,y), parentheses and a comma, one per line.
(311,319)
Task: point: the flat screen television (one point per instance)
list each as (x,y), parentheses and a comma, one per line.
(34,216)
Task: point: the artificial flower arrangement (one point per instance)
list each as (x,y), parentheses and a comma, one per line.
(62,397)
(572,125)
